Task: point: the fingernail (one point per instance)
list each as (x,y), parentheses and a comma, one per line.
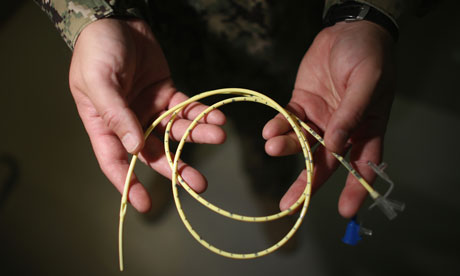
(339,138)
(129,142)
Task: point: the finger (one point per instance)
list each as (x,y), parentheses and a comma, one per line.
(280,125)
(153,155)
(361,85)
(114,111)
(201,133)
(116,171)
(152,100)
(354,194)
(294,191)
(275,127)
(112,158)
(192,110)
(281,139)
(325,166)
(287,144)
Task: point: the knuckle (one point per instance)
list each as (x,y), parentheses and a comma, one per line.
(111,119)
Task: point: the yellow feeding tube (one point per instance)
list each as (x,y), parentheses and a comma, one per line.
(235,95)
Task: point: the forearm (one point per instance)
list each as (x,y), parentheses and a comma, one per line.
(70,17)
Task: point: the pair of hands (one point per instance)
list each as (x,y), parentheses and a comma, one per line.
(120,81)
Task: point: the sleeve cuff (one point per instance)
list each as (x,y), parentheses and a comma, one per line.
(78,17)
(391,8)
(71,17)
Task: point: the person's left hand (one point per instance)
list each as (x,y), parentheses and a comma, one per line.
(344,90)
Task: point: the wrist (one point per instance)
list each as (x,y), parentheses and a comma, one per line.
(355,11)
(365,28)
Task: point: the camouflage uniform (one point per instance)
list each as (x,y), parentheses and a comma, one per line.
(70,17)
(244,22)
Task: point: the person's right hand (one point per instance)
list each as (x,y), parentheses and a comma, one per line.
(120,81)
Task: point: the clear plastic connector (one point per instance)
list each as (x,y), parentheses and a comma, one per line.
(386,205)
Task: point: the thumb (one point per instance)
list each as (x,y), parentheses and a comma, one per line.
(117,115)
(351,111)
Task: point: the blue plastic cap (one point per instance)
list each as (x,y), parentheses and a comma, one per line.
(352,233)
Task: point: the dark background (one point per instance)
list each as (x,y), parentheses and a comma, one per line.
(59,215)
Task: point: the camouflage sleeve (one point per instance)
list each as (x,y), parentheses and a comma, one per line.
(70,17)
